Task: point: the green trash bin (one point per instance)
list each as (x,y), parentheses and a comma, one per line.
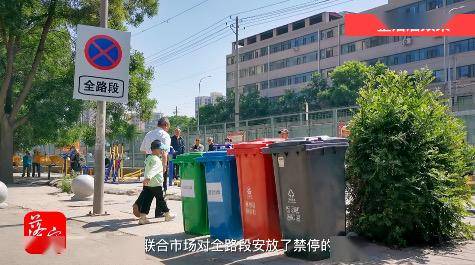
(193,194)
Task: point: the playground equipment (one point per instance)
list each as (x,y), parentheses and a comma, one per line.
(133,175)
(82,187)
(114,169)
(3,195)
(17,161)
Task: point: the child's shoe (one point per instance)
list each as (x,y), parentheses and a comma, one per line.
(143,219)
(135,210)
(169,217)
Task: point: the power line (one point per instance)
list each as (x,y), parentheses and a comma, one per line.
(188,39)
(279,13)
(269,20)
(185,46)
(289,8)
(177,44)
(222,36)
(170,18)
(258,8)
(212,33)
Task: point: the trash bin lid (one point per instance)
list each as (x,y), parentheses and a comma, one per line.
(215,156)
(187,158)
(306,143)
(252,146)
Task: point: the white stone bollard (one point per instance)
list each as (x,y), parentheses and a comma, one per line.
(3,195)
(82,187)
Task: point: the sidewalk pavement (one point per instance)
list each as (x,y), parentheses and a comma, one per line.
(120,221)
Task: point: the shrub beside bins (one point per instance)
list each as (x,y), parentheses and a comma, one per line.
(259,210)
(310,183)
(224,212)
(193,194)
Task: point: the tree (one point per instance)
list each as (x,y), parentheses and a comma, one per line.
(182,122)
(28,29)
(407,163)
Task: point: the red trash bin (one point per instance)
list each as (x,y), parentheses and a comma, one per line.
(257,192)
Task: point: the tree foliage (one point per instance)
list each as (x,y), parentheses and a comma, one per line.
(341,91)
(182,122)
(407,163)
(36,51)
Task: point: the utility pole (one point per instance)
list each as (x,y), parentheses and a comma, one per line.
(99,159)
(236,89)
(199,101)
(448,70)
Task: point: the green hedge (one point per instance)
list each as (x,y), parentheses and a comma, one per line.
(407,163)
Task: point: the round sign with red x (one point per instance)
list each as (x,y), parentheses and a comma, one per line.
(103,52)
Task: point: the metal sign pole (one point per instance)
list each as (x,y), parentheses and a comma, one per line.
(99,155)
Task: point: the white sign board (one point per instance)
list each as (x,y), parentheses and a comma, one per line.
(187,188)
(102,64)
(214,192)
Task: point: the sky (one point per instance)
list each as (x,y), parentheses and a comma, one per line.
(178,68)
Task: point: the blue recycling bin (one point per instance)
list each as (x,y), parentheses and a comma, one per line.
(224,211)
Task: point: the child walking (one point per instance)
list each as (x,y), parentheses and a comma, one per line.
(152,186)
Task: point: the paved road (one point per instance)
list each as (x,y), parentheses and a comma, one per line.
(117,239)
(83,245)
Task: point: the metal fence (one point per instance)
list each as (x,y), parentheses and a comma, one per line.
(323,122)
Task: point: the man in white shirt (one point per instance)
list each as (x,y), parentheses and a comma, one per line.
(158,134)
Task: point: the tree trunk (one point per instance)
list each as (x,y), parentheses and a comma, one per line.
(6,151)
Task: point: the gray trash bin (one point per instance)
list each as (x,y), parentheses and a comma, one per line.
(310,185)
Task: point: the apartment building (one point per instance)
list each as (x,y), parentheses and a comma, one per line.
(206,100)
(285,57)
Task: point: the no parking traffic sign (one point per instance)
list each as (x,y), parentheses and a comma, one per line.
(102,64)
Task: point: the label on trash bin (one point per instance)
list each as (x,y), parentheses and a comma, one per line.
(292,209)
(188,188)
(281,161)
(215,192)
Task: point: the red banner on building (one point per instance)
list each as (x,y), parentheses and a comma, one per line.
(357,25)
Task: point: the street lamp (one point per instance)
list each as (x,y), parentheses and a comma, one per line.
(199,101)
(448,73)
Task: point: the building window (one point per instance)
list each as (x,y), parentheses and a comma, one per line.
(450,2)
(327,34)
(348,48)
(439,76)
(327,53)
(230,60)
(251,40)
(250,88)
(342,29)
(433,4)
(298,24)
(432,52)
(264,51)
(462,46)
(264,85)
(267,35)
(316,19)
(282,30)
(466,71)
(285,45)
(230,76)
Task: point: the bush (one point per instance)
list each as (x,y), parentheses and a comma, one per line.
(65,185)
(407,163)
